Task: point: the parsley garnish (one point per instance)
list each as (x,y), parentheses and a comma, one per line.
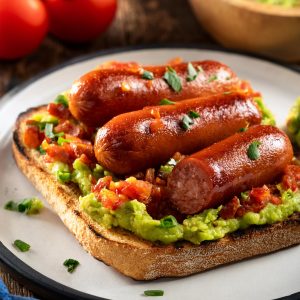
(147,75)
(186,122)
(172,79)
(166,101)
(154,293)
(253,152)
(71,264)
(193,114)
(192,73)
(22,246)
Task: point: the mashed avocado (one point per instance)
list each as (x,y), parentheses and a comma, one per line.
(286,3)
(267,116)
(293,122)
(205,226)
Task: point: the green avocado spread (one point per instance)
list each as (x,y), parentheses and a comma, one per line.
(285,3)
(205,226)
(293,123)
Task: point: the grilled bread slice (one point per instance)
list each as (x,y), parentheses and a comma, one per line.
(130,255)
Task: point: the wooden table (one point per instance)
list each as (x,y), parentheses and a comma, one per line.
(138,22)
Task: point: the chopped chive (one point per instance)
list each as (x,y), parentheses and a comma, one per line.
(11,205)
(244,195)
(172,79)
(63,176)
(71,264)
(193,114)
(166,101)
(168,222)
(41,150)
(252,151)
(29,206)
(212,78)
(186,122)
(147,75)
(154,293)
(49,131)
(22,246)
(243,129)
(61,140)
(192,73)
(61,99)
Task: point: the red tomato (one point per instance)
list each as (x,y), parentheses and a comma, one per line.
(79,20)
(23,25)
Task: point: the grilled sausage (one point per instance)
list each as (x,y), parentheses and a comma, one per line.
(107,92)
(146,138)
(227,168)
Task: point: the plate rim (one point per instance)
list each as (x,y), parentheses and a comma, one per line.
(34,280)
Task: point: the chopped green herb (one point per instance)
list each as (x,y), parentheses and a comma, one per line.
(147,75)
(29,206)
(193,114)
(22,246)
(41,150)
(253,152)
(49,131)
(192,73)
(243,129)
(166,169)
(71,264)
(186,122)
(212,78)
(168,222)
(227,93)
(61,99)
(166,101)
(200,69)
(11,205)
(172,79)
(244,195)
(63,176)
(154,293)
(61,140)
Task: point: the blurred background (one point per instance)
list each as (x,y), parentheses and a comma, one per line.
(36,35)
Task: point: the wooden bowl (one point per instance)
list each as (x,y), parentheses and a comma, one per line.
(252,26)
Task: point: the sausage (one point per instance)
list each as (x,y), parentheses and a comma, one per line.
(147,138)
(107,92)
(211,176)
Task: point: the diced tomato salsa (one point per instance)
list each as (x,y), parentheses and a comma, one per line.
(112,194)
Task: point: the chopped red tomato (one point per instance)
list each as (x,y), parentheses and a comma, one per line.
(58,110)
(102,183)
(32,137)
(230,209)
(81,148)
(291,177)
(112,194)
(63,153)
(68,127)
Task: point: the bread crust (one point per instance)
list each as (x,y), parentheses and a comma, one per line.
(132,256)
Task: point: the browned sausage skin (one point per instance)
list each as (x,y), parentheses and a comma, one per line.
(213,175)
(134,141)
(106,92)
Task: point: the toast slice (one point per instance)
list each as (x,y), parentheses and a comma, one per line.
(130,255)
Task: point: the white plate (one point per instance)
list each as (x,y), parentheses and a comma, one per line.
(265,277)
